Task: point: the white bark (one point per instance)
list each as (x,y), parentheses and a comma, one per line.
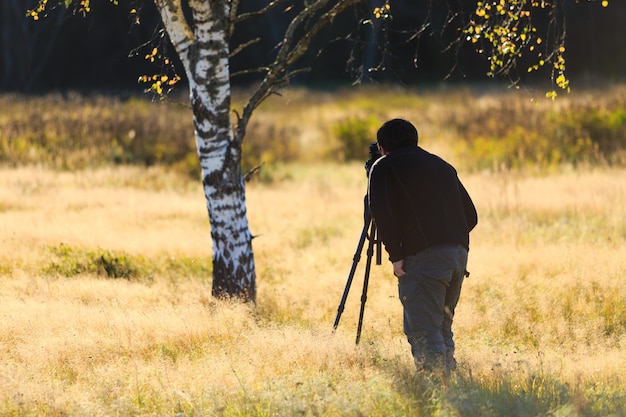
(204,54)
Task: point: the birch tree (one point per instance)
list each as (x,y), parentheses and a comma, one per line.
(201,31)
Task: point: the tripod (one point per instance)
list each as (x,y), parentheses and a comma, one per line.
(373,240)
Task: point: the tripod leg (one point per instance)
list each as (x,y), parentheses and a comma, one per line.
(368,267)
(356,258)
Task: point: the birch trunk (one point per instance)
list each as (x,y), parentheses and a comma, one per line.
(204,54)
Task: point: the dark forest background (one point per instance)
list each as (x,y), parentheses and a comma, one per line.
(104,50)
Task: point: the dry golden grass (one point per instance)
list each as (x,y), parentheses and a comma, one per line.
(540,327)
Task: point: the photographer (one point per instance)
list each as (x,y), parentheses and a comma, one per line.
(424,216)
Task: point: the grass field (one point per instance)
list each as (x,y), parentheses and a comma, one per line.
(105,305)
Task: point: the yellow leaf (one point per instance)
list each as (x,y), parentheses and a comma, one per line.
(551,94)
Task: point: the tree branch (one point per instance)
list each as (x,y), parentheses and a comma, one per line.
(277,73)
(247,16)
(232,17)
(243,46)
(287,55)
(260,70)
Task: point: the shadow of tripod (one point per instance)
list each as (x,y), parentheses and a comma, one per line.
(373,241)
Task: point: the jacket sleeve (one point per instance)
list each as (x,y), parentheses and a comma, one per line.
(380,204)
(471,216)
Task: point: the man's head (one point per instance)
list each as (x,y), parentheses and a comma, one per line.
(396,133)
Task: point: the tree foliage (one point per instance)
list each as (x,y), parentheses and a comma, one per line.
(506,30)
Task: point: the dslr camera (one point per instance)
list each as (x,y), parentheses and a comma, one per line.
(374,155)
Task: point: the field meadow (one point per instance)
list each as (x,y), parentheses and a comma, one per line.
(106,307)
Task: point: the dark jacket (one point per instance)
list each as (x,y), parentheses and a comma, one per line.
(417,201)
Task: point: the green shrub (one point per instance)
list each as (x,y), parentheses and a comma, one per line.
(354,136)
(267,143)
(512,134)
(183,266)
(69,262)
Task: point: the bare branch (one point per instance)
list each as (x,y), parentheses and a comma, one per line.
(234,5)
(259,70)
(303,44)
(243,46)
(287,55)
(277,74)
(247,16)
(248,176)
(294,73)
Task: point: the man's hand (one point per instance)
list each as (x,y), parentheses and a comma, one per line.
(397,268)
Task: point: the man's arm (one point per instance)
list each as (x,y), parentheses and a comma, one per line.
(381,207)
(471,216)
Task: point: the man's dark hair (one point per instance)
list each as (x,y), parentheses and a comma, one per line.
(396,133)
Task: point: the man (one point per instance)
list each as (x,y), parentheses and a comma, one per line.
(423,215)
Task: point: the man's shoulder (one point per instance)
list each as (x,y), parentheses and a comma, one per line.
(408,155)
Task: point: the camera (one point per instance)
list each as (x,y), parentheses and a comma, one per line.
(374,155)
